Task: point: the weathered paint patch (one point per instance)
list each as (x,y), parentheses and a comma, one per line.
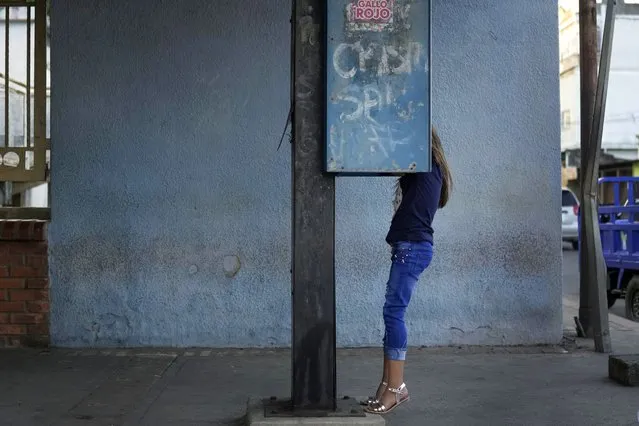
(231,266)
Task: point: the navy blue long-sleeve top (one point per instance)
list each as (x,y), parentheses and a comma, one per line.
(420,200)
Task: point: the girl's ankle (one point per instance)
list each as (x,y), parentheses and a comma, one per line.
(394,384)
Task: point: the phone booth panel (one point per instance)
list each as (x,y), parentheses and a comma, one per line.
(378,87)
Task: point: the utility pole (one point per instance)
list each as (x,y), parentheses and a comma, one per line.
(593,274)
(588,77)
(314,337)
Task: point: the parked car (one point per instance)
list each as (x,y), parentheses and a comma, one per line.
(569,218)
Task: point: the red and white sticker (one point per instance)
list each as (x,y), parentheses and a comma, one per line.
(372,11)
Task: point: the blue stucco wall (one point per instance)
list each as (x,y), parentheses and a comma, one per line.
(165,123)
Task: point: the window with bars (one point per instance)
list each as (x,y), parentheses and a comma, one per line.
(24,103)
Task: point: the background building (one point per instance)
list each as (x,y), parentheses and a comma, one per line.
(620,144)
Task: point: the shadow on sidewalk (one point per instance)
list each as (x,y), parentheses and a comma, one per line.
(449,386)
(544,385)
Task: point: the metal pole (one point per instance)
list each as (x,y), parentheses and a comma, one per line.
(313,266)
(596,273)
(7,186)
(588,76)
(40,89)
(6,78)
(7,194)
(29,29)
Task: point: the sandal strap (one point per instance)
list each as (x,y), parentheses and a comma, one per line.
(373,399)
(380,408)
(398,390)
(401,396)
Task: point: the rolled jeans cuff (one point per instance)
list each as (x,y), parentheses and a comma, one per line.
(395,354)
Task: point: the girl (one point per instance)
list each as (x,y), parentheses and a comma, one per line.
(417,198)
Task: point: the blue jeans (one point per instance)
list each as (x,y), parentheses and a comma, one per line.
(409,260)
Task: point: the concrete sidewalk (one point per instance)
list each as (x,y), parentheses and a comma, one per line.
(624,333)
(449,386)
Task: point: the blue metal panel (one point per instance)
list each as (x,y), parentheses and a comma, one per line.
(378,87)
(618,225)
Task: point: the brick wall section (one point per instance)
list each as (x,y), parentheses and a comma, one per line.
(24,284)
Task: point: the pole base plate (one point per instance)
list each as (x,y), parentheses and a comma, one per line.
(346,407)
(348,413)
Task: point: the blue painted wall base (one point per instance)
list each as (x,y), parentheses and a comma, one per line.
(171,205)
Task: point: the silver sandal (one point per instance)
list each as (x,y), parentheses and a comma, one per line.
(373,399)
(400,397)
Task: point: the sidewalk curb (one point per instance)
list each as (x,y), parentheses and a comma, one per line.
(619,323)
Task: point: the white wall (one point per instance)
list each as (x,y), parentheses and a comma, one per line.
(37,197)
(569,76)
(569,93)
(622,109)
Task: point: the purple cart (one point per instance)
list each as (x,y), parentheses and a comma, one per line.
(619,229)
